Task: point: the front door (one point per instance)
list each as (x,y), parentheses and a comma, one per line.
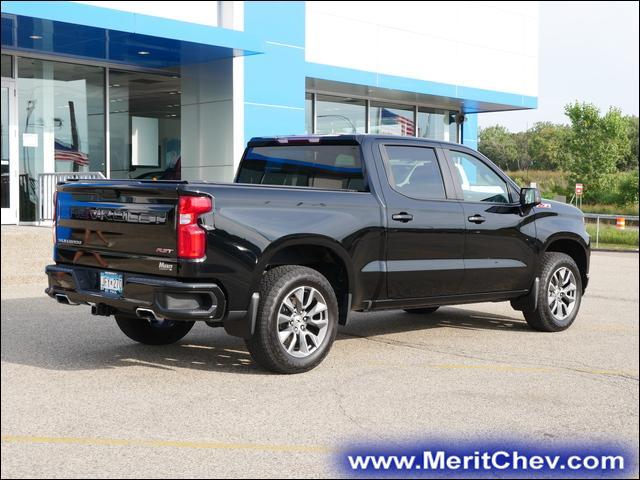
(9,161)
(425,227)
(500,240)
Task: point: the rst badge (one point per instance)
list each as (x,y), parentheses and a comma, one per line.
(164,251)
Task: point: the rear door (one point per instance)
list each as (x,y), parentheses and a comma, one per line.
(499,252)
(128,226)
(425,226)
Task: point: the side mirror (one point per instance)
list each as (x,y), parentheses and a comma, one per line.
(530,197)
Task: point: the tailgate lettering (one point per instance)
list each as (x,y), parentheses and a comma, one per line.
(118,215)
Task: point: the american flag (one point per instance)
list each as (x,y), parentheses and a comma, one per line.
(407,127)
(65,152)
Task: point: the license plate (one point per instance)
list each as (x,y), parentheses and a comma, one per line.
(111,282)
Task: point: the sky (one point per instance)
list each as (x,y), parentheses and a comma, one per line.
(588,51)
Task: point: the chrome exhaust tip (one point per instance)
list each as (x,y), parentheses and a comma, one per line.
(147,314)
(63,299)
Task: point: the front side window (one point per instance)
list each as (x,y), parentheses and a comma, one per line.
(335,167)
(478,182)
(414,172)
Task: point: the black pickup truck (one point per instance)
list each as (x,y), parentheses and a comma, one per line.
(313,228)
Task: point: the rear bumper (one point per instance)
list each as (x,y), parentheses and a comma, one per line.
(142,295)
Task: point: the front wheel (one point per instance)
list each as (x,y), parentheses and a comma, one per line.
(559,295)
(153,332)
(297,320)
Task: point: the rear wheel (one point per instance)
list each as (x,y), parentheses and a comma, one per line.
(422,311)
(559,295)
(153,332)
(297,320)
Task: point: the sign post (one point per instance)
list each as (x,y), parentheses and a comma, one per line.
(579,191)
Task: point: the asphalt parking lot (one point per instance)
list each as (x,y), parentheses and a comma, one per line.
(80,399)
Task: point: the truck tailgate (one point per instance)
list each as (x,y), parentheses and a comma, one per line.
(128,226)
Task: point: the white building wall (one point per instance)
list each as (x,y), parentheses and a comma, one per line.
(487,45)
(202,12)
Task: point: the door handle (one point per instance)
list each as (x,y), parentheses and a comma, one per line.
(403,217)
(477,219)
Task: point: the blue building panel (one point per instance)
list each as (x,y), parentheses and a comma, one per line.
(76,14)
(274,83)
(470,131)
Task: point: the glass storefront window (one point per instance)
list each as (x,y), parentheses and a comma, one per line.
(4,146)
(144,125)
(437,124)
(389,119)
(308,113)
(7,66)
(340,115)
(61,123)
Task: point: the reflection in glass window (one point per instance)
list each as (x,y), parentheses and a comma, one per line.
(388,119)
(340,115)
(144,125)
(4,146)
(437,124)
(414,172)
(336,167)
(308,113)
(61,122)
(7,66)
(478,182)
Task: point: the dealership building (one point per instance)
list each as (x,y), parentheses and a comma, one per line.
(174,90)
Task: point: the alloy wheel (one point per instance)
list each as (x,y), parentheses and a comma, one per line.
(561,293)
(303,321)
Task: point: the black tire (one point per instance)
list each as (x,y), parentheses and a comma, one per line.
(153,332)
(265,346)
(542,318)
(421,311)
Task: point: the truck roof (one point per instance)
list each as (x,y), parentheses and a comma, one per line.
(340,139)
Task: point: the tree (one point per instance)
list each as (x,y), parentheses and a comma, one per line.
(547,146)
(499,145)
(595,143)
(630,160)
(523,159)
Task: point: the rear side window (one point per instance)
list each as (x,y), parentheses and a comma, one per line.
(335,167)
(414,172)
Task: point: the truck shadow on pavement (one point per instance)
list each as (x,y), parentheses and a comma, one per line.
(40,334)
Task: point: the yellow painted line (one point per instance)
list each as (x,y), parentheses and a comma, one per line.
(536,369)
(507,368)
(121,442)
(494,367)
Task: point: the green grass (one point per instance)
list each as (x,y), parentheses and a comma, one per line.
(612,236)
(615,246)
(611,209)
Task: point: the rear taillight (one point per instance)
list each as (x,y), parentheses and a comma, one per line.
(192,240)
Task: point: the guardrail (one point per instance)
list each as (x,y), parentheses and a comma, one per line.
(47,186)
(603,216)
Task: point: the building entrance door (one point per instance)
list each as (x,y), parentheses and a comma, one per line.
(9,142)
